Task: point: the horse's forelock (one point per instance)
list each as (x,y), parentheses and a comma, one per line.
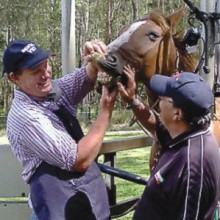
(159,19)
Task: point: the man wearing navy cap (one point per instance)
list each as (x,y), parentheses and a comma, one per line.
(44,134)
(185,181)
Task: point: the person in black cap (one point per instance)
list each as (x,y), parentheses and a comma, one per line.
(185,181)
(44,134)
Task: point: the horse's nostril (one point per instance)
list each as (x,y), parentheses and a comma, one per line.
(111,58)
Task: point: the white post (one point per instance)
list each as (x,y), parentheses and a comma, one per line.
(68,35)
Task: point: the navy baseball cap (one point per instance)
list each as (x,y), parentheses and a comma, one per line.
(188,90)
(23,54)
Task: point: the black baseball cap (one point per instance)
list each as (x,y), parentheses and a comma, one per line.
(23,54)
(189,91)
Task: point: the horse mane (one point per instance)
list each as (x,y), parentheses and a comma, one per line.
(186,61)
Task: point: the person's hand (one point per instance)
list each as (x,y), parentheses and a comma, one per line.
(107,101)
(94,48)
(128,93)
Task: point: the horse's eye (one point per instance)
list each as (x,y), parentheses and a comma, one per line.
(152,36)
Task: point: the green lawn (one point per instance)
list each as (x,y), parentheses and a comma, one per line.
(135,161)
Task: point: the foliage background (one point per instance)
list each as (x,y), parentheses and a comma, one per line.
(40,21)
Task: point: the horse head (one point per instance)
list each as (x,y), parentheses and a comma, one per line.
(150,47)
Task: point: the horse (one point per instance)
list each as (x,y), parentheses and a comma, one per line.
(151,46)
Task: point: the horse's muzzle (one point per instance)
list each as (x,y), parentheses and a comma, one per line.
(114,70)
(109,65)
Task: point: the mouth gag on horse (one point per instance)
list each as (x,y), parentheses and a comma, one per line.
(111,71)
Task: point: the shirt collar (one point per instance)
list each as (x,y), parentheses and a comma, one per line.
(55,93)
(184,136)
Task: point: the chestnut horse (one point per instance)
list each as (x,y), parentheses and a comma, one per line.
(151,47)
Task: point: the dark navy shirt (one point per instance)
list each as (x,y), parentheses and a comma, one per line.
(185,183)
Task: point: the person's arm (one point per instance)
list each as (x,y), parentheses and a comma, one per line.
(142,112)
(89,145)
(76,85)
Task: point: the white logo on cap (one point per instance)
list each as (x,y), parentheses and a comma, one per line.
(30,48)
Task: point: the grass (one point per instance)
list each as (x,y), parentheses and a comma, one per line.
(2,132)
(134,161)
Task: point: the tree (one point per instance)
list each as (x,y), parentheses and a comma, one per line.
(40,21)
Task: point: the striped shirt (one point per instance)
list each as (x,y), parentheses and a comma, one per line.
(36,134)
(185,183)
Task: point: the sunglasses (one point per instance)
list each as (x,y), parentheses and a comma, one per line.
(163,98)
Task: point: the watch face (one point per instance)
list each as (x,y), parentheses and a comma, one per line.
(136,102)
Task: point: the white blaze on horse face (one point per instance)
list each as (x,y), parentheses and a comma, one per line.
(124,37)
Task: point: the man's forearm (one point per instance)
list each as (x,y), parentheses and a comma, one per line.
(89,145)
(145,116)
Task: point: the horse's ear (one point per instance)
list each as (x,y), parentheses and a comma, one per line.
(176,16)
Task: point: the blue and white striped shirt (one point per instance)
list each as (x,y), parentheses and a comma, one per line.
(34,131)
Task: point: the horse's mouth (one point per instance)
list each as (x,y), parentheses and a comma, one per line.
(104,78)
(110,65)
(111,71)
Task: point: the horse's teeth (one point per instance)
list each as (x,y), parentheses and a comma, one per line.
(103,78)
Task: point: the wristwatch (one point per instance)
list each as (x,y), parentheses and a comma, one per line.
(136,102)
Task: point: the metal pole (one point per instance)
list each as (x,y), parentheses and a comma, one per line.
(217,48)
(68,35)
(208,6)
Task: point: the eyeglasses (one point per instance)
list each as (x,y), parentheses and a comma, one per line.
(163,98)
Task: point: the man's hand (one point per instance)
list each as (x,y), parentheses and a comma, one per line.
(107,101)
(93,48)
(128,93)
